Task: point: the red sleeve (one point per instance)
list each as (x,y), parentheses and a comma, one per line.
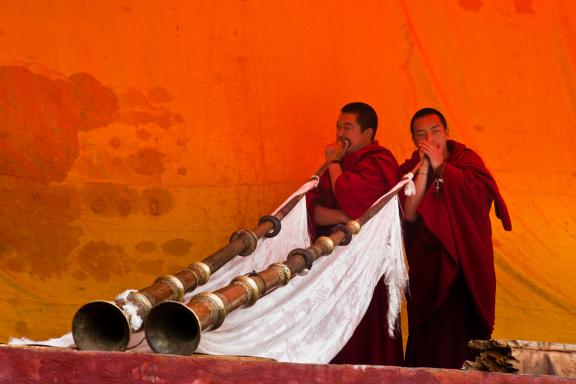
(478,183)
(357,188)
(469,181)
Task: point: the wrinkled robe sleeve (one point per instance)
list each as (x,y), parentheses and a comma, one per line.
(355,190)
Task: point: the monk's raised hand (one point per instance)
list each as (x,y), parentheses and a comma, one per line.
(433,152)
(331,150)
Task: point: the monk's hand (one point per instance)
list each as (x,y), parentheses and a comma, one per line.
(432,152)
(334,151)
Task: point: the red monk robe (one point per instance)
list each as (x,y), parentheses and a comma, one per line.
(449,251)
(368,173)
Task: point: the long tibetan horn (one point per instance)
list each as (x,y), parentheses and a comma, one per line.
(175,328)
(108,325)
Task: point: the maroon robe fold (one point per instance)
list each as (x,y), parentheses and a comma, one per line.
(368,173)
(449,250)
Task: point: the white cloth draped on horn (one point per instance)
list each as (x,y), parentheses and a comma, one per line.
(310,319)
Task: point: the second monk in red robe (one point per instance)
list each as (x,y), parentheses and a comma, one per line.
(448,241)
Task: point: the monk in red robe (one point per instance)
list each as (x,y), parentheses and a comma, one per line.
(448,242)
(348,188)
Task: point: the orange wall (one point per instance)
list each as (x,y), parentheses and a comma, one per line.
(136,136)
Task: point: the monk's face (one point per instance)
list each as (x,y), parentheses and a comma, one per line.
(429,128)
(347,127)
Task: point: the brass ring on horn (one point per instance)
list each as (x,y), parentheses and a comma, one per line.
(193,272)
(251,288)
(307,254)
(204,271)
(326,244)
(144,303)
(354,226)
(346,231)
(175,285)
(248,238)
(283,271)
(216,302)
(276,225)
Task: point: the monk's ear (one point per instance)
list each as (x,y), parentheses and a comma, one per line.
(368,132)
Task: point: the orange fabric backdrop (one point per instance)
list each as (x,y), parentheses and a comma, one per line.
(136,136)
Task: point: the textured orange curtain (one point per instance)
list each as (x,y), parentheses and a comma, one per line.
(136,136)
